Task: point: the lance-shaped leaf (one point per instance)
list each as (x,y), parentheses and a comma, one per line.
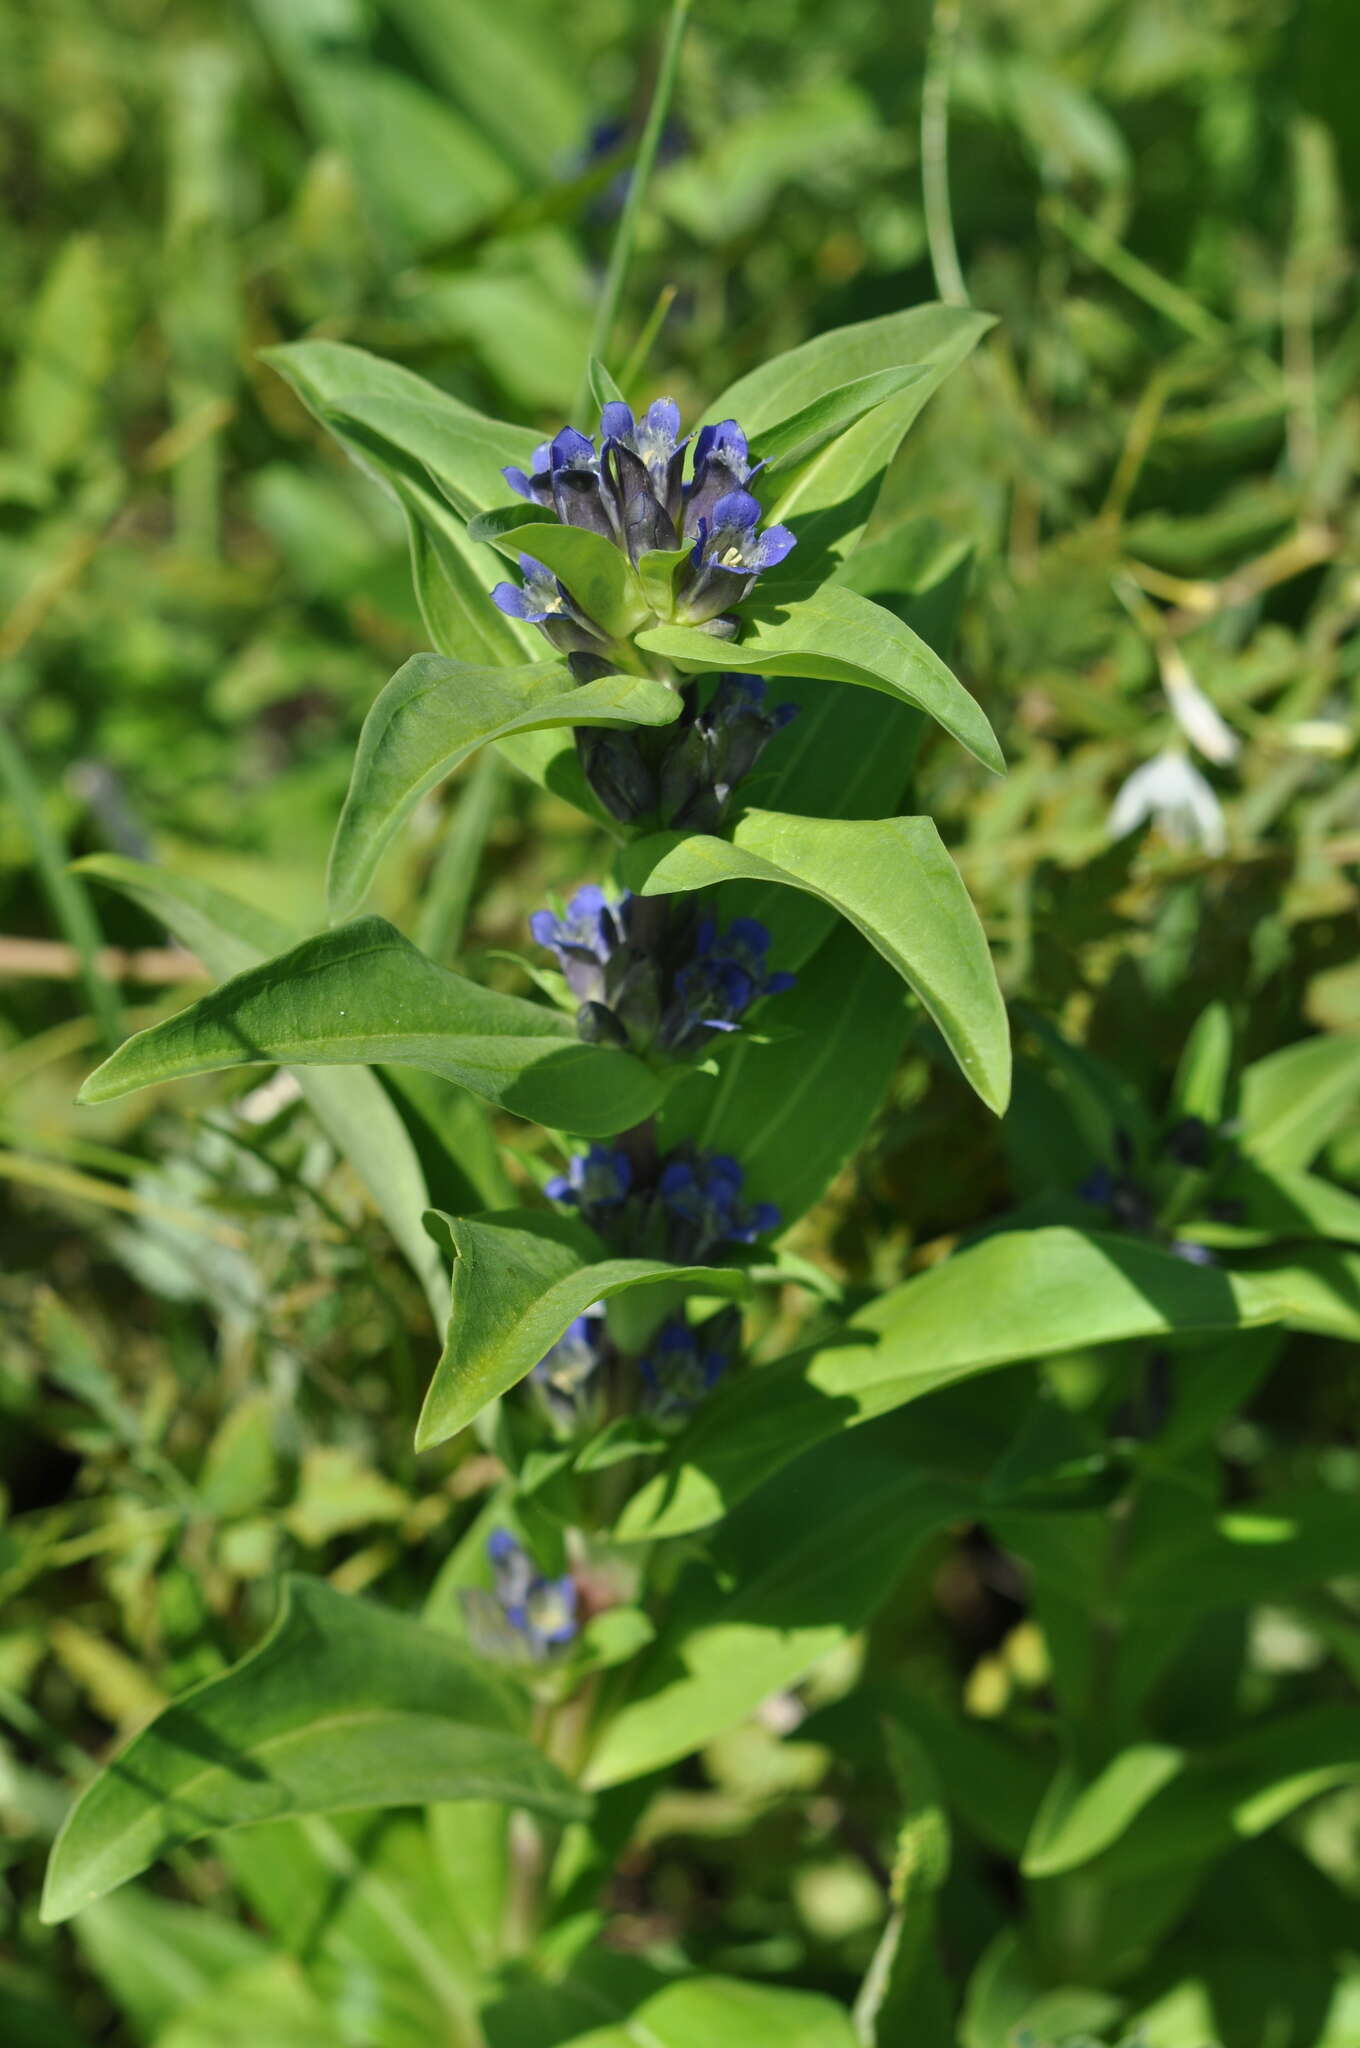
(1018,1295)
(895,882)
(934,336)
(343,1705)
(617,2001)
(805,629)
(352,1108)
(599,576)
(789,441)
(363,995)
(401,420)
(1293,1100)
(432,714)
(830,495)
(452,574)
(804,1564)
(519,1279)
(1157,1807)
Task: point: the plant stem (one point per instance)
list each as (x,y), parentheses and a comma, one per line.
(66,896)
(944,254)
(620,256)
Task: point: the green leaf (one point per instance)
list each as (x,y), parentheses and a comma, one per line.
(360,1900)
(268,2002)
(803,629)
(793,1111)
(599,575)
(502,68)
(426,433)
(1244,1557)
(1201,1085)
(1006,2005)
(343,1705)
(1018,1295)
(603,390)
(425,175)
(795,1585)
(154,1956)
(519,1279)
(894,881)
(435,712)
(830,496)
(1316,1290)
(1293,1100)
(61,384)
(615,2002)
(1276,1206)
(352,1108)
(935,336)
(1192,1805)
(363,995)
(1077,1821)
(453,575)
(789,439)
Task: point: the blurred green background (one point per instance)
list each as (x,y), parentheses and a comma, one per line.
(209,1353)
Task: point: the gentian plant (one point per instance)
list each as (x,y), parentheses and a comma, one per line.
(680,633)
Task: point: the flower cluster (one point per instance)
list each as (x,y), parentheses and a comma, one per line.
(684,1210)
(683,1365)
(526,1616)
(653,976)
(683,776)
(634,494)
(1129,1205)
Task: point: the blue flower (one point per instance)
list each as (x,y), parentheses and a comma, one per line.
(633,493)
(684,1209)
(722,463)
(566,1377)
(585,939)
(729,971)
(526,1616)
(595,1181)
(714,748)
(728,555)
(545,601)
(701,1194)
(643,463)
(684,1365)
(647,973)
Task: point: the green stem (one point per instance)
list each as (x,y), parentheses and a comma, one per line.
(66,896)
(621,255)
(944,254)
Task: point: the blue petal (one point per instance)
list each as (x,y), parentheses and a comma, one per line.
(740,509)
(764,1217)
(545,928)
(750,932)
(571,450)
(510,599)
(518,481)
(663,417)
(501,1546)
(774,544)
(616,421)
(559,1189)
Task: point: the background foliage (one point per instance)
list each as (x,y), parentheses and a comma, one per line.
(1142,488)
